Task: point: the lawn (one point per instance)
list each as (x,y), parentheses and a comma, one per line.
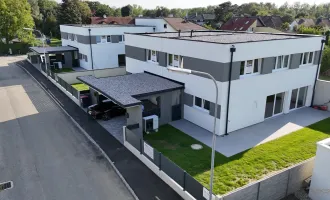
(326,78)
(238,170)
(62,70)
(54,42)
(80,87)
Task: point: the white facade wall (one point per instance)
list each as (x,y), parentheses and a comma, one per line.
(158,23)
(105,55)
(248,94)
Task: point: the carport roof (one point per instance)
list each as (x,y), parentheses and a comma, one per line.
(40,50)
(124,89)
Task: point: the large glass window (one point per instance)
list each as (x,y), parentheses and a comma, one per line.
(282,62)
(250,67)
(152,56)
(298,97)
(293,101)
(202,104)
(274,104)
(174,60)
(307,58)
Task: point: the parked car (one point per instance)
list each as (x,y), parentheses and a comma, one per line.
(98,110)
(113,112)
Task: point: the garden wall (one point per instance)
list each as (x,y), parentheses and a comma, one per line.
(322,93)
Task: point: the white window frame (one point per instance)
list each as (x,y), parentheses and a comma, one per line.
(178,62)
(307,60)
(107,39)
(203,104)
(282,63)
(122,39)
(252,73)
(153,59)
(103,39)
(75,38)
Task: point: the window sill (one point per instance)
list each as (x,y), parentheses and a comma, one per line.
(306,65)
(282,69)
(150,61)
(248,75)
(201,109)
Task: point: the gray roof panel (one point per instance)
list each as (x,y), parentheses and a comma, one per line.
(47,50)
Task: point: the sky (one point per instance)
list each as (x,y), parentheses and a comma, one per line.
(191,3)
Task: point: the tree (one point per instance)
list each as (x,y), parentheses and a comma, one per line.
(117,12)
(70,12)
(162,11)
(325,63)
(137,10)
(225,11)
(48,9)
(149,13)
(15,15)
(85,12)
(102,10)
(126,11)
(34,9)
(285,26)
(287,18)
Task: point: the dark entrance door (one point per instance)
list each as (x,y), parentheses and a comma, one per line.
(176,112)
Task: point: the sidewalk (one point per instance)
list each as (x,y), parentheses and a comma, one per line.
(146,185)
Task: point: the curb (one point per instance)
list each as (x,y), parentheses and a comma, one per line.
(84,132)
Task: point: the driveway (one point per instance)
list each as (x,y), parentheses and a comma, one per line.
(42,151)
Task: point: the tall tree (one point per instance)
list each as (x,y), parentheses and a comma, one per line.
(126,11)
(162,11)
(34,9)
(136,10)
(70,12)
(117,12)
(48,12)
(85,12)
(15,15)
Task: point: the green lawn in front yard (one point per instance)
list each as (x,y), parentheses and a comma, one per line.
(54,42)
(326,78)
(80,87)
(240,169)
(62,70)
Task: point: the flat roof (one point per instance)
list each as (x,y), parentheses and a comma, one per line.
(225,37)
(124,89)
(104,25)
(41,50)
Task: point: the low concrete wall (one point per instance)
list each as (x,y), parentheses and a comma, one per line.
(322,93)
(276,186)
(64,91)
(71,77)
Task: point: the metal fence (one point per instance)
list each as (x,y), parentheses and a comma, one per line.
(68,87)
(181,177)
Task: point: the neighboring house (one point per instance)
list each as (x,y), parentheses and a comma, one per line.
(242,24)
(168,24)
(272,74)
(112,20)
(201,19)
(301,22)
(274,21)
(100,46)
(324,22)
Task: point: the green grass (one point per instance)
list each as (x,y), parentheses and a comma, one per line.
(54,42)
(240,169)
(80,87)
(63,70)
(326,78)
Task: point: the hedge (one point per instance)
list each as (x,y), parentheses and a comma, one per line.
(17,48)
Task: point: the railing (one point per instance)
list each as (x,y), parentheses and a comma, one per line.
(181,177)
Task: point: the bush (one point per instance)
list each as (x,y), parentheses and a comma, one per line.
(325,63)
(17,48)
(310,30)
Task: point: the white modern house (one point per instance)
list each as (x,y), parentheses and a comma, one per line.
(99,46)
(264,74)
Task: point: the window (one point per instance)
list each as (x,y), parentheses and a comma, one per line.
(75,54)
(298,97)
(121,38)
(282,62)
(75,38)
(108,38)
(174,60)
(307,58)
(250,67)
(80,56)
(98,39)
(202,104)
(121,60)
(152,56)
(165,25)
(86,58)
(103,39)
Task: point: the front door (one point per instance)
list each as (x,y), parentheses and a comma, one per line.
(298,98)
(274,105)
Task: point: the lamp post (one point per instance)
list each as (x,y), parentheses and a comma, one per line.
(214,138)
(43,44)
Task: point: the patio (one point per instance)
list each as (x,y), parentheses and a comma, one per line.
(246,138)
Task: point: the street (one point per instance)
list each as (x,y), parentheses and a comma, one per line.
(42,151)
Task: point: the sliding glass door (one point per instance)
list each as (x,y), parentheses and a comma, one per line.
(274,104)
(298,98)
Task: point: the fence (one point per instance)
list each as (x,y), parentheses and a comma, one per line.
(186,182)
(67,87)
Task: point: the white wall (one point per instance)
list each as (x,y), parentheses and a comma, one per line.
(320,184)
(157,23)
(83,49)
(322,93)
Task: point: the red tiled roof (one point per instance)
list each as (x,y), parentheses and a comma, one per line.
(181,24)
(112,20)
(240,23)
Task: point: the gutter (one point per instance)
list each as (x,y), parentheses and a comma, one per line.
(317,71)
(90,45)
(232,50)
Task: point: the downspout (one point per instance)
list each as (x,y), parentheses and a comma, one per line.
(90,45)
(232,50)
(317,71)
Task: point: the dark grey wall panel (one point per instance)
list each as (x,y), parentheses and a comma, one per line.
(85,39)
(114,38)
(295,61)
(268,65)
(224,71)
(162,59)
(135,52)
(64,35)
(212,106)
(316,57)
(68,57)
(188,99)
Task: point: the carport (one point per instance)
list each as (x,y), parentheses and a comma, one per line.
(63,56)
(142,95)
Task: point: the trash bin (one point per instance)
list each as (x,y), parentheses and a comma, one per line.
(85,101)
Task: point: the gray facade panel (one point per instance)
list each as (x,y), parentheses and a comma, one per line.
(114,38)
(68,57)
(64,35)
(212,106)
(162,59)
(134,116)
(136,53)
(188,99)
(224,71)
(268,65)
(295,61)
(83,39)
(316,58)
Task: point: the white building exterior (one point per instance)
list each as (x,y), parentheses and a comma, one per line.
(160,24)
(104,44)
(264,65)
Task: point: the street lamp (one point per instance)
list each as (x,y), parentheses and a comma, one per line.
(214,138)
(43,44)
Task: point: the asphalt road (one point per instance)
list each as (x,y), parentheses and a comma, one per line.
(43,152)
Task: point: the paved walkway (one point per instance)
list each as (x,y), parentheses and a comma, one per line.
(142,180)
(43,152)
(115,127)
(249,137)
